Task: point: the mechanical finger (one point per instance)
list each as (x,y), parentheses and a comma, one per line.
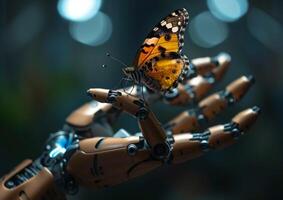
(189,146)
(106,161)
(151,128)
(29,181)
(216,103)
(92,118)
(206,65)
(209,107)
(210,71)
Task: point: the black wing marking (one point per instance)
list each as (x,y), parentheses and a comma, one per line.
(174,23)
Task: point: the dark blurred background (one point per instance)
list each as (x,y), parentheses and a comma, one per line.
(52,52)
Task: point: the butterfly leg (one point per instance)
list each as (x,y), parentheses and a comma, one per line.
(209,107)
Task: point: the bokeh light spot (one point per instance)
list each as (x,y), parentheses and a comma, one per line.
(265,29)
(26,25)
(228,10)
(94,32)
(206,31)
(78,10)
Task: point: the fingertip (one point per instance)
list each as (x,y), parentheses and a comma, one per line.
(256,109)
(89,92)
(251,79)
(224,57)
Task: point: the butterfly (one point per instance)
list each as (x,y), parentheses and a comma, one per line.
(159,63)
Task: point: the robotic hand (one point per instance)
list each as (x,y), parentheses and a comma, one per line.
(86,151)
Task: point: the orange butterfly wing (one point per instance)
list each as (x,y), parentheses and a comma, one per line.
(166,71)
(152,46)
(166,36)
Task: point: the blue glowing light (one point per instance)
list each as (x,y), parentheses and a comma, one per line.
(228,10)
(94,32)
(207,31)
(56,151)
(78,10)
(61,145)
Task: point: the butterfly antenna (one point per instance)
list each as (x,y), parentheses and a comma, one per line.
(116,59)
(124,86)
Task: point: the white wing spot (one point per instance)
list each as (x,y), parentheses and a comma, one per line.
(175,29)
(163,23)
(169,25)
(155,29)
(179,23)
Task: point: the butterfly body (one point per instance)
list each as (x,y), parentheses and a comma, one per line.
(159,63)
